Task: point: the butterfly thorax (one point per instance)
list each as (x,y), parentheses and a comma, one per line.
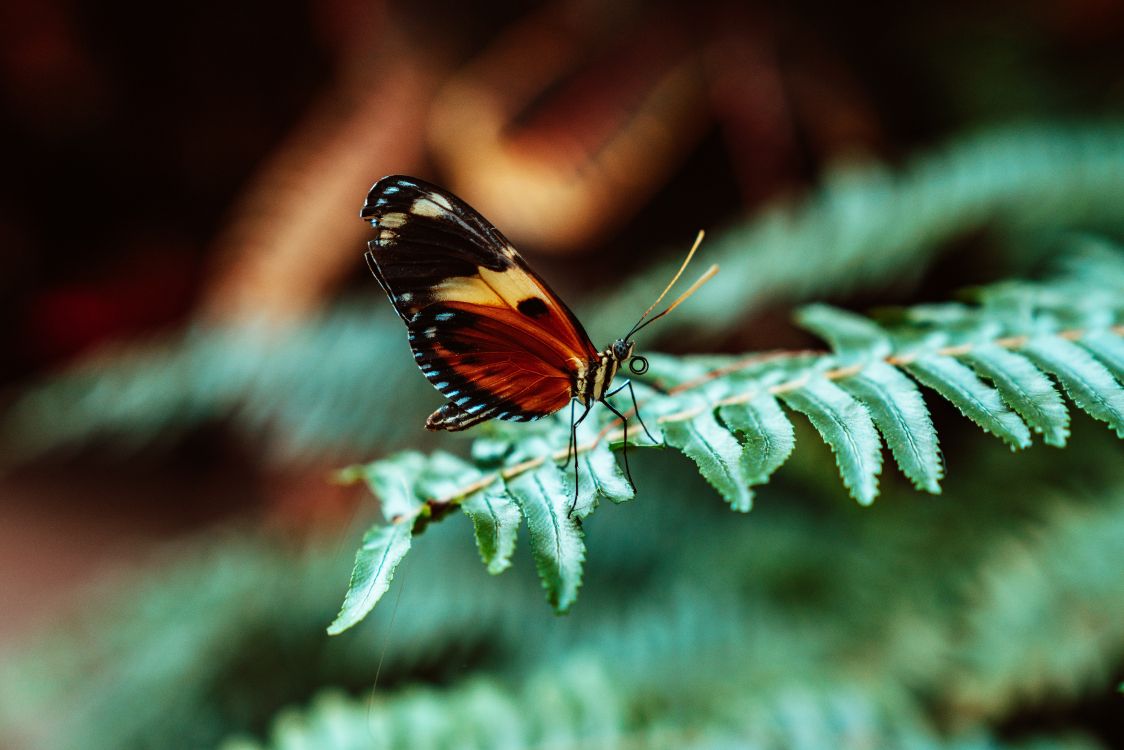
(594,377)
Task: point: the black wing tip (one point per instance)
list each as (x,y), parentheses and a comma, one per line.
(452,418)
(379,192)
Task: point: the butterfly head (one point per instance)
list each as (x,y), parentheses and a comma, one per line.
(621,351)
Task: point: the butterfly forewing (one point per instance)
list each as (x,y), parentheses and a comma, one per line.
(485,329)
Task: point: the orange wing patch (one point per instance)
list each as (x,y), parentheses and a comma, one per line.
(490,364)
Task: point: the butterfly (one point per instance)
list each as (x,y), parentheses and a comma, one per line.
(485,329)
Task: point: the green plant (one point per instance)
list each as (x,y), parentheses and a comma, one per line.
(992,360)
(814,625)
(979,618)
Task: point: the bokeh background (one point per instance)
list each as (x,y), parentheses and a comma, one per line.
(193,344)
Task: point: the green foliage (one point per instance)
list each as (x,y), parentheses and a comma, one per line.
(866,226)
(1029,392)
(309,389)
(846,426)
(974,398)
(1049,586)
(577,706)
(900,414)
(810,627)
(382,549)
(727,420)
(766,435)
(1086,381)
(946,622)
(544,499)
(495,518)
(717,453)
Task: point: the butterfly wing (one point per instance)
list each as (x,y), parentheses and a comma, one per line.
(485,329)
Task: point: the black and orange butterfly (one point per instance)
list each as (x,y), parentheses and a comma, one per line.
(486,331)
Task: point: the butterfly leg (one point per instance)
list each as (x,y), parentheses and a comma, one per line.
(624,449)
(573,450)
(572,446)
(635,406)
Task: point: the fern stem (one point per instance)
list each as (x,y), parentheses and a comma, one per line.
(839,373)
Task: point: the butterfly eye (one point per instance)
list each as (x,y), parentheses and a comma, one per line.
(638,365)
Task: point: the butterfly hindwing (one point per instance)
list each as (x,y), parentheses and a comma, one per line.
(485,329)
(477,362)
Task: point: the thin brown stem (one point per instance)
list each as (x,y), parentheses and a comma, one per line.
(839,373)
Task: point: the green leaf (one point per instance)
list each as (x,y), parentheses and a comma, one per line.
(847,333)
(495,519)
(556,537)
(1108,347)
(443,475)
(717,454)
(846,427)
(974,398)
(1025,389)
(382,549)
(1087,381)
(901,416)
(766,434)
(393,481)
(600,474)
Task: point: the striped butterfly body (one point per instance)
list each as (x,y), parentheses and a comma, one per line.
(485,329)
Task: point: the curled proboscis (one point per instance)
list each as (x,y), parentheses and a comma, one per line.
(638,365)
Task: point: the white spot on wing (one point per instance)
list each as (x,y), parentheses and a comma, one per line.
(392,220)
(427,207)
(441,200)
(444,316)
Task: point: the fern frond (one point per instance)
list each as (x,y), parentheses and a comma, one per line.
(1016,335)
(578,705)
(306,390)
(383,548)
(1053,586)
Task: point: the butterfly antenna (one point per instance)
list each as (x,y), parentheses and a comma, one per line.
(675,278)
(682,297)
